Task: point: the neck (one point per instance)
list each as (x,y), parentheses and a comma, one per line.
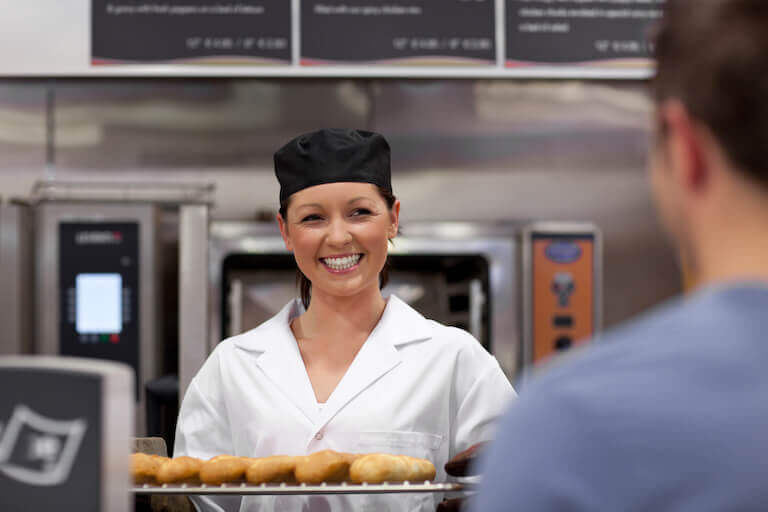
(732,243)
(334,317)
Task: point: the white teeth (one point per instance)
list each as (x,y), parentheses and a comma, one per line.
(342,263)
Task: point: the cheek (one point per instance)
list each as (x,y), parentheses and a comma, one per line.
(304,246)
(374,239)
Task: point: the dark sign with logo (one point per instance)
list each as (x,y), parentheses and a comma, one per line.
(413,32)
(50,440)
(190,31)
(608,33)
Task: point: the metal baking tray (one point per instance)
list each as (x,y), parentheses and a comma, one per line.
(293,489)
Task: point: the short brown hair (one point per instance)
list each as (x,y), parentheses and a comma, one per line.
(304,284)
(712,55)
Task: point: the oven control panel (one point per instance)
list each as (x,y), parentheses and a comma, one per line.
(99,287)
(563,292)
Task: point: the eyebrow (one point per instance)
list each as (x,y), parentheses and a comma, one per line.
(358,199)
(310,205)
(318,205)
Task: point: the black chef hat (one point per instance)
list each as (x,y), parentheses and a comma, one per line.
(330,156)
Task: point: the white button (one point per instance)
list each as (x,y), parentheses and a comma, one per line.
(319,436)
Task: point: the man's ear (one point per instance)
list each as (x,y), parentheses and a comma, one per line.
(284,232)
(394,216)
(686,147)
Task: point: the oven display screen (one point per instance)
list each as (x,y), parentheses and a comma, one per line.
(98,303)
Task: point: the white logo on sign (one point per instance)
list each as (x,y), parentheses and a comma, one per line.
(44,446)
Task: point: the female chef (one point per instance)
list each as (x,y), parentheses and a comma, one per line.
(344,368)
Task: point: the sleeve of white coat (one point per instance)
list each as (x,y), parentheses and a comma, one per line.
(203,431)
(483,393)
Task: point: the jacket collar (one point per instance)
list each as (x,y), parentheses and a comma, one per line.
(400,324)
(281,361)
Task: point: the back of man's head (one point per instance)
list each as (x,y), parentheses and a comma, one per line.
(713,57)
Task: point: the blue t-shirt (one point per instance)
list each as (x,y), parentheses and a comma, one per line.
(669,413)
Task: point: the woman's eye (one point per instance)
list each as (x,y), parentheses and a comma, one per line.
(310,218)
(361,211)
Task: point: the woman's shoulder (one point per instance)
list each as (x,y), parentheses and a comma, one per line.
(257,339)
(459,342)
(260,336)
(452,335)
(445,335)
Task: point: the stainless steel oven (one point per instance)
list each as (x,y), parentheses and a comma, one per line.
(460,274)
(524,290)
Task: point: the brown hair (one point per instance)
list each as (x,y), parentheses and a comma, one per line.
(304,284)
(713,57)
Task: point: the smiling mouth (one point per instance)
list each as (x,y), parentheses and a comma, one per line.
(343,263)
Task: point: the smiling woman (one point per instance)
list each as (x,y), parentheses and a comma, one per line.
(344,368)
(348,186)
(366,209)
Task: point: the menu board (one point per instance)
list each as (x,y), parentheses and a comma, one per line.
(480,38)
(607,33)
(409,32)
(200,32)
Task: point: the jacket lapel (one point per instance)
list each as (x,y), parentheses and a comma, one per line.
(400,324)
(278,357)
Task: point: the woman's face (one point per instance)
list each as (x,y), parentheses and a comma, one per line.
(338,233)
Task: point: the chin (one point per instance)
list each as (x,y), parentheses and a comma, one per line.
(346,289)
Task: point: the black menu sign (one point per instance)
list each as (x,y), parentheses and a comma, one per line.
(607,33)
(209,32)
(407,32)
(50,447)
(65,429)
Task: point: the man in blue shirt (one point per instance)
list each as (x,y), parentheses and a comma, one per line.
(670,412)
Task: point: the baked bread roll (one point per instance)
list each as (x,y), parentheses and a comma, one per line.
(324,466)
(180,470)
(224,469)
(276,469)
(351,457)
(377,468)
(419,469)
(144,467)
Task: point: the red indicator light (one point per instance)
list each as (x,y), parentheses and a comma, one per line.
(114,338)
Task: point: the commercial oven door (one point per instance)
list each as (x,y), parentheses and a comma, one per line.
(448,275)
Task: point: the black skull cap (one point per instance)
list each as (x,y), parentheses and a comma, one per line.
(332,156)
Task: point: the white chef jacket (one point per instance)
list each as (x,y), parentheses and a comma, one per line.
(416,387)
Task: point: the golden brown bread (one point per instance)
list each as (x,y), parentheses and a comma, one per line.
(276,469)
(144,467)
(420,469)
(351,457)
(224,469)
(324,466)
(180,470)
(376,468)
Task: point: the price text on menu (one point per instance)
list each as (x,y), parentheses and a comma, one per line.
(139,31)
(579,31)
(423,32)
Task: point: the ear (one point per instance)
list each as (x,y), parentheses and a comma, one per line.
(284,232)
(686,144)
(394,216)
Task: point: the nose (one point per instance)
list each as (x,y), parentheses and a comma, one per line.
(338,233)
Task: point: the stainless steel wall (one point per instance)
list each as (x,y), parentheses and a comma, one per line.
(462,150)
